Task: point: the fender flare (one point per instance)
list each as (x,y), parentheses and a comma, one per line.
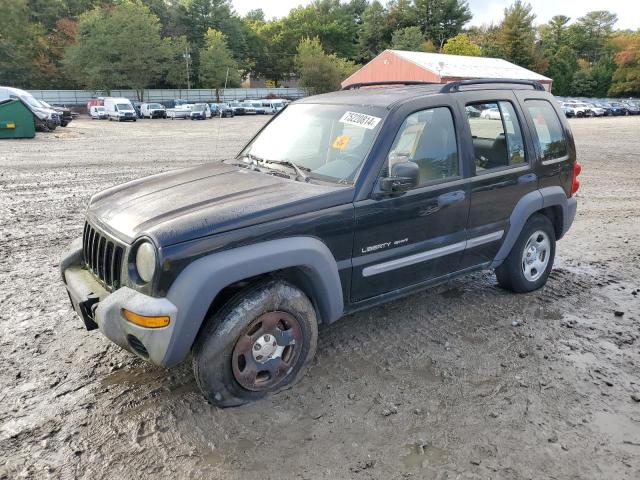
(531,203)
(197,286)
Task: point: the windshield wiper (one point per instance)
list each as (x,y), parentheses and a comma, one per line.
(295,166)
(288,163)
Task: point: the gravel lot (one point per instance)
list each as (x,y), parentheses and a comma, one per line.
(439,385)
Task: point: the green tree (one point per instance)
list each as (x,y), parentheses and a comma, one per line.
(583,85)
(517,35)
(119,47)
(562,66)
(441,19)
(591,33)
(462,45)
(177,75)
(409,38)
(372,36)
(217,66)
(319,72)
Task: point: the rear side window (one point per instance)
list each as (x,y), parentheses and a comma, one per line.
(428,138)
(549,134)
(497,137)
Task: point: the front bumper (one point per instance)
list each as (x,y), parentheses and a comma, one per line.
(99,308)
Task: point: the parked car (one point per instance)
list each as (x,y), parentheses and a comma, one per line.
(238,108)
(46,118)
(65,114)
(235,263)
(632,109)
(120,109)
(257,106)
(491,114)
(594,110)
(221,110)
(578,110)
(607,108)
(153,110)
(618,108)
(200,111)
(181,111)
(472,112)
(97,112)
(568,112)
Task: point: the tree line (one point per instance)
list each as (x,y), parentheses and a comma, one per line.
(139,44)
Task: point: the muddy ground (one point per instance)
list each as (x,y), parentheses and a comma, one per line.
(440,385)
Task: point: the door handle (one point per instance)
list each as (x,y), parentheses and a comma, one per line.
(450,198)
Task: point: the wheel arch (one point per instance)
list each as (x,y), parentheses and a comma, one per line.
(549,201)
(209,281)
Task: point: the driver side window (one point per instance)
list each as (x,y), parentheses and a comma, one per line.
(428,138)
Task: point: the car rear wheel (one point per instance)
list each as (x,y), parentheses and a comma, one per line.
(258,344)
(530,261)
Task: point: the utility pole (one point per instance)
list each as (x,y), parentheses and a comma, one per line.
(187,57)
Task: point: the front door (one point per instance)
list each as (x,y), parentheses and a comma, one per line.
(406,239)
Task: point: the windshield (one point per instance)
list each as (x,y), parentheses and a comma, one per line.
(124,106)
(99,109)
(330,142)
(31,101)
(198,108)
(154,105)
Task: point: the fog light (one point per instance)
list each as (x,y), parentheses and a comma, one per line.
(144,321)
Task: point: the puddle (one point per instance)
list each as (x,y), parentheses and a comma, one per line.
(420,457)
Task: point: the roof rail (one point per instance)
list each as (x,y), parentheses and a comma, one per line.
(355,86)
(455,86)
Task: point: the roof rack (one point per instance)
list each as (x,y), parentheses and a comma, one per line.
(359,85)
(455,86)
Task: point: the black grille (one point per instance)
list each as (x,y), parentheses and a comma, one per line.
(102,256)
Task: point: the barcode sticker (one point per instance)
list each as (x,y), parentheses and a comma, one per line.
(360,120)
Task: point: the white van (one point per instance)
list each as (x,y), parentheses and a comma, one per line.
(119,109)
(272,106)
(97,111)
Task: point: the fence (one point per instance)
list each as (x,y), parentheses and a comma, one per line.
(80,97)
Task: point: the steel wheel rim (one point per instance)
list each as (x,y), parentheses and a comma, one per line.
(267,351)
(535,256)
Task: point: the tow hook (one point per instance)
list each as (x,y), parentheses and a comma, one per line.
(88,307)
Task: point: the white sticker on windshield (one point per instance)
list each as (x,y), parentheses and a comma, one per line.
(360,120)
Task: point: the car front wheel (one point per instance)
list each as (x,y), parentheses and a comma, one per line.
(530,261)
(258,344)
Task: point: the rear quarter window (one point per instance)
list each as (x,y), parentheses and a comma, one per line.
(548,130)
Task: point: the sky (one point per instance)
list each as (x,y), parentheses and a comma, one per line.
(487,11)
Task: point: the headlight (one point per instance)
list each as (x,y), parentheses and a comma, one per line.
(146,261)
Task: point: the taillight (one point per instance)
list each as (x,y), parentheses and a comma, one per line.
(575,183)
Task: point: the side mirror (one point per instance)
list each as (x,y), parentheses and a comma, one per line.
(404,177)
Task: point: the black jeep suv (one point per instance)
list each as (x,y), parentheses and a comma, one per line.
(342,201)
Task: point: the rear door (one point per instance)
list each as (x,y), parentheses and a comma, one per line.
(406,239)
(501,171)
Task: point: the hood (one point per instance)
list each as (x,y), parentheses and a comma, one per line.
(181,205)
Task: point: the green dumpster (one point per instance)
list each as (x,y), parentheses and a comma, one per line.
(16,120)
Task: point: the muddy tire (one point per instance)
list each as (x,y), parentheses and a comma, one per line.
(530,261)
(258,344)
